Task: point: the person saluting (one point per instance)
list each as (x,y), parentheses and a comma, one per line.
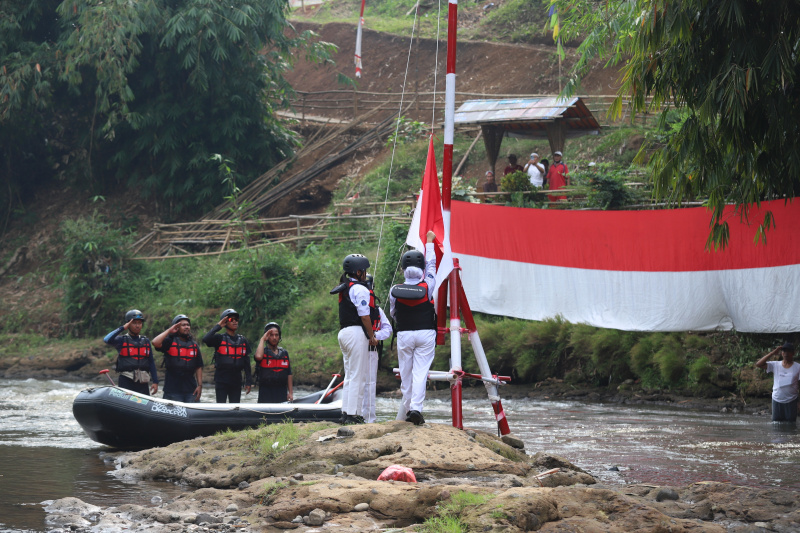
(183,379)
(135,362)
(786,386)
(411,306)
(231,358)
(273,368)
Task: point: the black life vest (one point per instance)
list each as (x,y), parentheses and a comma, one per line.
(231,352)
(413,309)
(273,366)
(181,355)
(134,354)
(348,314)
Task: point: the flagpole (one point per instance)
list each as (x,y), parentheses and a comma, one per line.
(358,41)
(458,300)
(447,185)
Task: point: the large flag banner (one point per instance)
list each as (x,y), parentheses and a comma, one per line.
(429,216)
(631,270)
(358,41)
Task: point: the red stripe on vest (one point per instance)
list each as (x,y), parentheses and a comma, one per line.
(136,352)
(184,353)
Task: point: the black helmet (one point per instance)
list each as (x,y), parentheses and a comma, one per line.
(178,318)
(133,314)
(413,258)
(229,312)
(273,325)
(355,262)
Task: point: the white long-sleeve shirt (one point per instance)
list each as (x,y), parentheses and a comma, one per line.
(412,276)
(386,327)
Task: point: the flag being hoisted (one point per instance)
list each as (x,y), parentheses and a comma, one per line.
(428,216)
(358,41)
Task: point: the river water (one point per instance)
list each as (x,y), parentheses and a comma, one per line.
(44,454)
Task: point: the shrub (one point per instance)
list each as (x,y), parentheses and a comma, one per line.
(516,182)
(605,350)
(670,359)
(700,369)
(98,280)
(641,354)
(608,191)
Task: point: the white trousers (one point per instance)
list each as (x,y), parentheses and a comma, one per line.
(368,405)
(355,352)
(415,351)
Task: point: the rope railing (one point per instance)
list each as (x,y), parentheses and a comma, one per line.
(351,102)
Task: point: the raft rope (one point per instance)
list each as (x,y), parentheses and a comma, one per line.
(397,125)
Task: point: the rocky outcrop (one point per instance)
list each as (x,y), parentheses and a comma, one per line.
(324,478)
(433,451)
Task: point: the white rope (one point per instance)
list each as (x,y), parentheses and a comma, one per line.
(394,144)
(436,64)
(397,127)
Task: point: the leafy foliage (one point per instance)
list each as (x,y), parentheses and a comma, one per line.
(606,191)
(731,66)
(97,278)
(407,130)
(150,89)
(517,181)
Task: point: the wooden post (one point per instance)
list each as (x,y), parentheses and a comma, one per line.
(298,227)
(303,103)
(355,102)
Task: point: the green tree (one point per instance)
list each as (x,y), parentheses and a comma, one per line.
(731,66)
(147,91)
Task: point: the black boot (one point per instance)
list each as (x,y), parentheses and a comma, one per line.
(415,417)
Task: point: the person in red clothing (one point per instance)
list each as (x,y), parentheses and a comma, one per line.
(513,166)
(557,176)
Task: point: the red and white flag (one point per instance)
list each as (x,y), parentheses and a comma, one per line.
(358,41)
(631,270)
(429,216)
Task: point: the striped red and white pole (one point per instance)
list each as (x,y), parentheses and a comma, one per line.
(357,58)
(449,107)
(447,185)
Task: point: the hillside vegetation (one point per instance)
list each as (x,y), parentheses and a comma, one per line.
(68,274)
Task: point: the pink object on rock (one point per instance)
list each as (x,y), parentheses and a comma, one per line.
(398,473)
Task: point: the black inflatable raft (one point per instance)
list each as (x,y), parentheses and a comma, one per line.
(124,419)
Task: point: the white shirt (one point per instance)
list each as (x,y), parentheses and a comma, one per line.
(359,295)
(535,175)
(412,279)
(386,327)
(785,387)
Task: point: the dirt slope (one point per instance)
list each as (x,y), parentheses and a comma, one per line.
(481,67)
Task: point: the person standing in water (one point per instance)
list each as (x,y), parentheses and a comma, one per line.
(785,385)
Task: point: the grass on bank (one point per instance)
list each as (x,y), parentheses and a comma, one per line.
(516,21)
(449,515)
(269,441)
